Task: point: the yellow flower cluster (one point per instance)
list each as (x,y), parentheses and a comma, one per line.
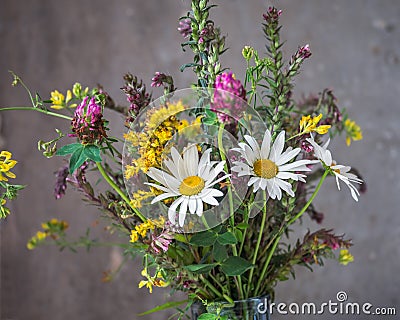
(308,124)
(50,229)
(6,164)
(353,131)
(143,228)
(156,281)
(345,257)
(161,125)
(140,196)
(59,101)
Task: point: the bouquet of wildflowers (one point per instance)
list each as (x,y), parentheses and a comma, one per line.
(210,179)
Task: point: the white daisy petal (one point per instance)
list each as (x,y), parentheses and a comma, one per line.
(191,160)
(210,200)
(192,205)
(172,210)
(191,180)
(183,211)
(162,197)
(199,210)
(254,145)
(287,156)
(266,145)
(277,147)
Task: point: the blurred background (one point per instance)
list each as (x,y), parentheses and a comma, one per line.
(53,44)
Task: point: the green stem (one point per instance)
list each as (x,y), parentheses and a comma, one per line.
(211,286)
(230,198)
(260,235)
(54,114)
(119,191)
(279,235)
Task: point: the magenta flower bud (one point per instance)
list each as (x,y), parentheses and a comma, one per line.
(185,27)
(304,52)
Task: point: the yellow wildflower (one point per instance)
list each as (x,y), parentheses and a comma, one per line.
(3,202)
(345,257)
(6,163)
(308,124)
(152,281)
(58,100)
(150,144)
(68,98)
(134,236)
(353,131)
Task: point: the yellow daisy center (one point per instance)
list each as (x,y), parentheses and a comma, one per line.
(265,168)
(191,186)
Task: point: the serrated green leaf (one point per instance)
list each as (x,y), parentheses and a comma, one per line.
(92,152)
(68,149)
(77,159)
(200,268)
(219,252)
(235,266)
(204,239)
(168,305)
(227,238)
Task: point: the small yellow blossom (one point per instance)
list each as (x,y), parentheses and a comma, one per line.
(308,124)
(353,131)
(134,236)
(150,144)
(3,202)
(6,164)
(156,281)
(58,100)
(345,257)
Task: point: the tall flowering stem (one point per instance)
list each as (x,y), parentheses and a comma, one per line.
(206,42)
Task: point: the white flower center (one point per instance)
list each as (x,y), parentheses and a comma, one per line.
(265,168)
(191,186)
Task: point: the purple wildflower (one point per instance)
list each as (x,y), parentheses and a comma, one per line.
(88,123)
(162,79)
(136,95)
(185,27)
(61,182)
(224,104)
(272,15)
(304,52)
(161,242)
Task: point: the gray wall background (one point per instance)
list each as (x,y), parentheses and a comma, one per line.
(52,44)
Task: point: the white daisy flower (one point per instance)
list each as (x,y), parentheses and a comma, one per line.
(190,180)
(341,172)
(268,165)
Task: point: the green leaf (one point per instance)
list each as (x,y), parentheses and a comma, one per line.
(211,114)
(235,266)
(168,305)
(242,226)
(204,239)
(68,149)
(188,65)
(227,238)
(219,252)
(208,316)
(200,268)
(77,159)
(92,152)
